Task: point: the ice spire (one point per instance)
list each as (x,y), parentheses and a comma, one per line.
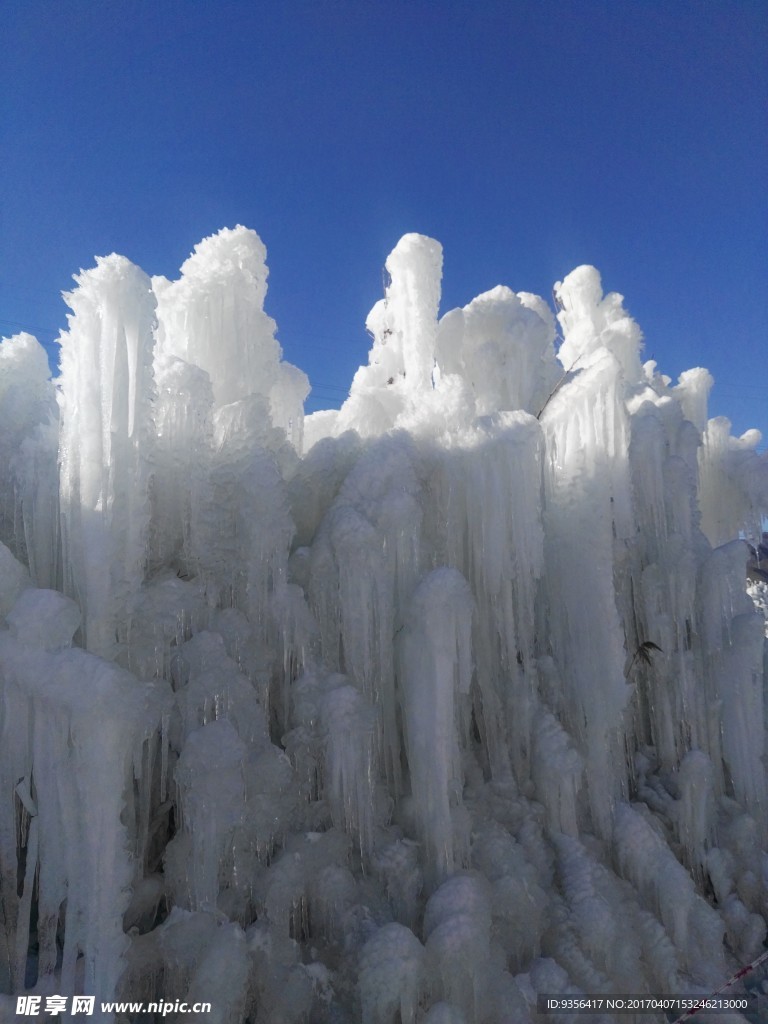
(28,449)
(106,436)
(404,328)
(587,496)
(415,267)
(591,321)
(213,317)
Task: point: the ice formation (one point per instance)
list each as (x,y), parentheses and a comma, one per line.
(405,712)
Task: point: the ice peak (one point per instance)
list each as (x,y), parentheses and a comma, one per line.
(592,321)
(237,250)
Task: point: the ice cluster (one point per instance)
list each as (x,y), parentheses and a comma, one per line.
(402,713)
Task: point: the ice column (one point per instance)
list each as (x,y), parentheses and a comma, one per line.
(501,345)
(666,889)
(415,266)
(211,782)
(587,499)
(105,443)
(184,421)
(28,452)
(213,334)
(742,691)
(457,925)
(436,671)
(348,721)
(244,528)
(72,728)
(732,674)
(733,488)
(489,500)
(404,329)
(392,976)
(213,317)
(592,321)
(365,564)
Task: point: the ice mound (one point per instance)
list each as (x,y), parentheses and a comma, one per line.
(410,712)
(44,618)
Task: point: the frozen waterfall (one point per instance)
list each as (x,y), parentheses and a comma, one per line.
(404,713)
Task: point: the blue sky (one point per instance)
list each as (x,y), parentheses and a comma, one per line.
(528,136)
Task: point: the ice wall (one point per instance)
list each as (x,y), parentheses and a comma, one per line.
(462,704)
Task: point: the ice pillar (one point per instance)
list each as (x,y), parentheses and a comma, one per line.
(436,673)
(105,440)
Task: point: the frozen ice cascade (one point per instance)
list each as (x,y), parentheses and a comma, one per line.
(404,713)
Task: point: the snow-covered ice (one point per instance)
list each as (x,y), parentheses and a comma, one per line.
(403,712)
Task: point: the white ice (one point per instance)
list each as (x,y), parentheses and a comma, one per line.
(406,712)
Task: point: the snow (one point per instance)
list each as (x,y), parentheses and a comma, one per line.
(408,711)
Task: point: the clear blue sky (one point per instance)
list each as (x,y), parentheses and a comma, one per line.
(528,136)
